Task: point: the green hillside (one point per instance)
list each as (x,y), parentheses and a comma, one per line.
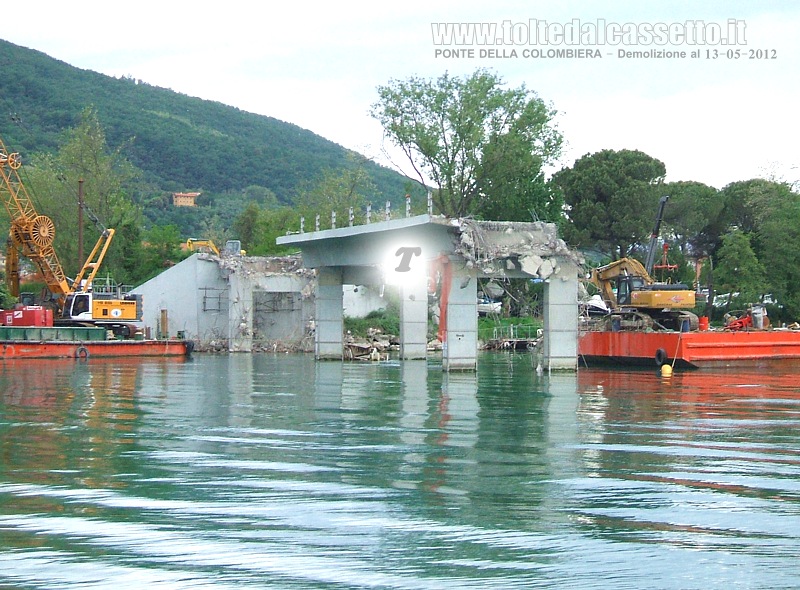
(179,142)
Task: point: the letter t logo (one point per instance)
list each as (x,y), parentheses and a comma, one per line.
(406,252)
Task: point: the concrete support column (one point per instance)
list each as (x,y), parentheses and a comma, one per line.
(561,319)
(329,314)
(413,320)
(460,348)
(240,314)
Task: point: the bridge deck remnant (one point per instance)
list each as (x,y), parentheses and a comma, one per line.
(427,252)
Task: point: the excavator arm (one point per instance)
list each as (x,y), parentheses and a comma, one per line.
(639,289)
(604,277)
(192,244)
(651,249)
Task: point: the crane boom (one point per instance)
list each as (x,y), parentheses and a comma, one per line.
(83,283)
(30,232)
(651,250)
(193,243)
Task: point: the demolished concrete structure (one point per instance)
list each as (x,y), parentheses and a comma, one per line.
(234,303)
(513,249)
(533,250)
(457,251)
(241,303)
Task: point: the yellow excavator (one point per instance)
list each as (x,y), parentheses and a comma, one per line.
(31,234)
(636,300)
(231,247)
(193,244)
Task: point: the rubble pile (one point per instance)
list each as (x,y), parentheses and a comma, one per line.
(496,247)
(262,265)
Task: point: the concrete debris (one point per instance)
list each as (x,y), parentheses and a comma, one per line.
(531,264)
(496,247)
(261,265)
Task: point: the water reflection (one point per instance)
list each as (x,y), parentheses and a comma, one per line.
(275,470)
(70,420)
(707,459)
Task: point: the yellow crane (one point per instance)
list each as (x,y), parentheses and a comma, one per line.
(231,246)
(32,235)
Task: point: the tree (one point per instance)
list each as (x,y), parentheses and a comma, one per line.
(336,190)
(775,209)
(737,269)
(738,201)
(162,248)
(261,195)
(462,135)
(107,180)
(694,217)
(510,191)
(612,199)
(246,226)
(6,299)
(258,228)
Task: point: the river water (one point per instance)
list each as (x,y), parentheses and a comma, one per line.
(274,471)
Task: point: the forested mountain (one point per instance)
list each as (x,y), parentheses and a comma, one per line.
(180,143)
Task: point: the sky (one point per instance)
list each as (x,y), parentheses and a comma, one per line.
(719,113)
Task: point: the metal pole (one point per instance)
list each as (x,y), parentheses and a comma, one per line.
(651,250)
(80,224)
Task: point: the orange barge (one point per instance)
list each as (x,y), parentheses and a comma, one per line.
(695,349)
(81,343)
(15,349)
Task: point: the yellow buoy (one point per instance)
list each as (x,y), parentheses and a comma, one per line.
(666,371)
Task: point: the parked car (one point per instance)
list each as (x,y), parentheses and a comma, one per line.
(487,306)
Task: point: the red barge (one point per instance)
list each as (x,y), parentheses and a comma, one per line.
(693,349)
(81,343)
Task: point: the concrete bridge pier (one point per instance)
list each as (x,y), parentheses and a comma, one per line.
(413,320)
(460,345)
(561,319)
(329,314)
(240,314)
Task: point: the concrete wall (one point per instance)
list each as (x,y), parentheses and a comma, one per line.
(195,296)
(268,309)
(279,316)
(235,304)
(359,303)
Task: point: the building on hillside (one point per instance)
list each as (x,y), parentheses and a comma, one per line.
(240,303)
(184,199)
